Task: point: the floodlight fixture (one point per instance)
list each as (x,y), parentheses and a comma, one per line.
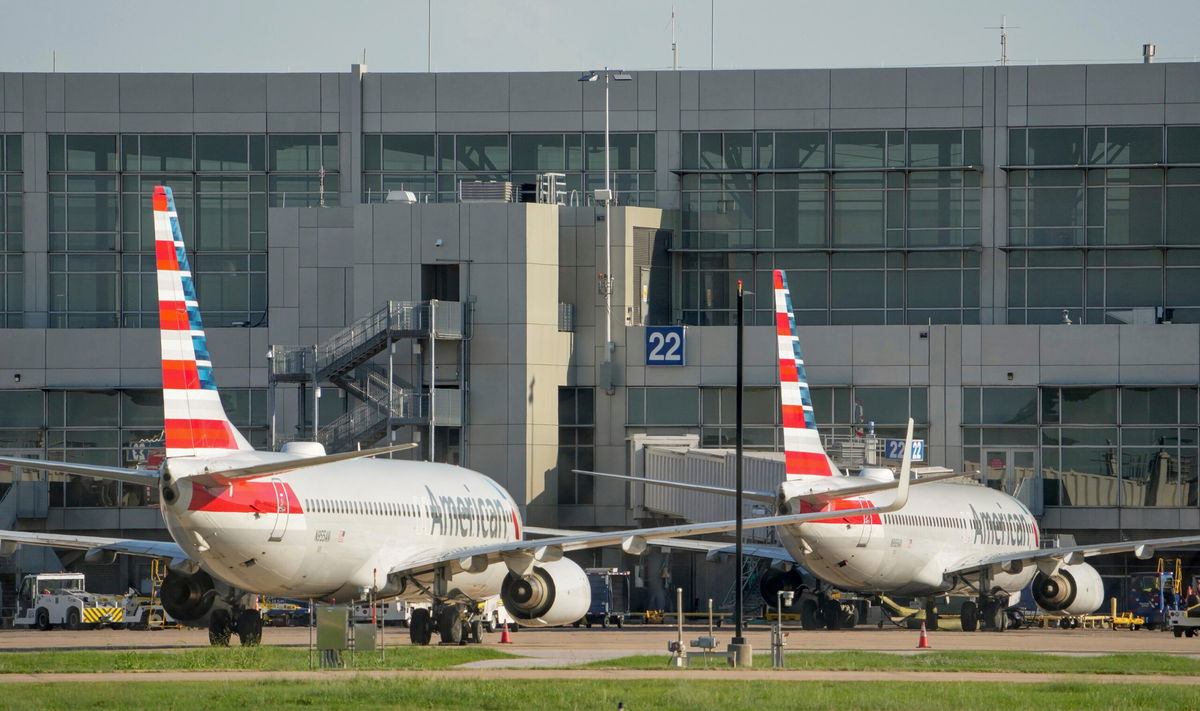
(620,75)
(589,76)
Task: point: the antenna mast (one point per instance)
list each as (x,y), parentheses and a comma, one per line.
(1004,28)
(674,44)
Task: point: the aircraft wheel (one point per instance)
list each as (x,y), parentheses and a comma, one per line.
(969,614)
(419,627)
(809,616)
(450,627)
(249,628)
(477,631)
(218,628)
(831,611)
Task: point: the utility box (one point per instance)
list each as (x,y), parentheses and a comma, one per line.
(333,621)
(365,637)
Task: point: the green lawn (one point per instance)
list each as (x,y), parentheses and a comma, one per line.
(501,695)
(219,658)
(1141,663)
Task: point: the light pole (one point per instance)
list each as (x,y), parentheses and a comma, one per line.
(605,195)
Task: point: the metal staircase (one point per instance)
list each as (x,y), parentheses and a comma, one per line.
(344,359)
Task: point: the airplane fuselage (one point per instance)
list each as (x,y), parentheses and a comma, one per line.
(908,552)
(332,531)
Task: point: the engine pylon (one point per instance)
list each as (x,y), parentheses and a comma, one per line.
(923,642)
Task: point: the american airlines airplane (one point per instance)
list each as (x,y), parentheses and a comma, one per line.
(301,523)
(949,539)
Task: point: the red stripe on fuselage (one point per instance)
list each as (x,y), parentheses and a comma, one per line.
(243,497)
(842,505)
(516,526)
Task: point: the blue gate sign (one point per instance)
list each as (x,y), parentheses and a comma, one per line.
(664,345)
(894,449)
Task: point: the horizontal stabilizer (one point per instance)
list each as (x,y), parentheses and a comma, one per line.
(144,477)
(821,497)
(223,477)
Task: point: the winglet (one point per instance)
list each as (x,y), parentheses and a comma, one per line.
(905,470)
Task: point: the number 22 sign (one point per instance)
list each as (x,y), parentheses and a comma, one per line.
(664,345)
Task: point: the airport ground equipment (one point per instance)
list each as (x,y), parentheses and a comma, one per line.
(49,599)
(1153,596)
(1185,621)
(610,597)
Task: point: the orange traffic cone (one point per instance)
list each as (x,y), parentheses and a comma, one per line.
(923,642)
(506,639)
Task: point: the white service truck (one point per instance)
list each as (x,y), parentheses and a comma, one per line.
(49,599)
(1181,623)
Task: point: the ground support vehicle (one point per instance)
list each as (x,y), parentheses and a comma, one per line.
(610,597)
(49,599)
(1153,596)
(392,613)
(1184,622)
(493,615)
(146,613)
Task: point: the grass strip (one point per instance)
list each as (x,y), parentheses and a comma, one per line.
(228,658)
(949,661)
(534,695)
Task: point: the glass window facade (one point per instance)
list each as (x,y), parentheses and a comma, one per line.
(1094,446)
(101,232)
(576,444)
(433,165)
(107,427)
(787,199)
(12,231)
(1125,197)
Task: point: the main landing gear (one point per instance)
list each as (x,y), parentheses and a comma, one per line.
(247,625)
(450,620)
(987,612)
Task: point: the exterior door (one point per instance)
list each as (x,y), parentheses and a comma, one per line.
(281,511)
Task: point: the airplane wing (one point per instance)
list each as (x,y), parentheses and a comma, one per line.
(150,549)
(1049,559)
(144,477)
(751,494)
(930,475)
(211,478)
(712,549)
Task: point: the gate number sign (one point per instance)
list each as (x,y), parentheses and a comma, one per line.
(664,345)
(894,449)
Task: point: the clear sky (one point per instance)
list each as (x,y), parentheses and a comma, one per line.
(538,35)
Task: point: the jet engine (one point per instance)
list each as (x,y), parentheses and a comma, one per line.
(1074,590)
(556,593)
(188,597)
(774,581)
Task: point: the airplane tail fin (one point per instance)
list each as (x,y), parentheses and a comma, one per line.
(802,444)
(194,419)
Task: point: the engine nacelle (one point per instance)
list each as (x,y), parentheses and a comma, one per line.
(1073,590)
(188,598)
(555,593)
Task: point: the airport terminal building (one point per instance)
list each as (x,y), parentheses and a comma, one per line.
(1010,255)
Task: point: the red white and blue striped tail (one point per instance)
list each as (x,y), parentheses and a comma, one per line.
(195,421)
(801,443)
